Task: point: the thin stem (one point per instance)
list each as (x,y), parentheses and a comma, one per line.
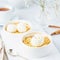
(42,4)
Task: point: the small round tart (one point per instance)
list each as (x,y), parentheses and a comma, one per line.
(36,40)
(17,27)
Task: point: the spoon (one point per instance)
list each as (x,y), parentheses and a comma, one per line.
(13,53)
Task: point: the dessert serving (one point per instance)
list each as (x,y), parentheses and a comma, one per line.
(36,40)
(35,45)
(17,27)
(13,32)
